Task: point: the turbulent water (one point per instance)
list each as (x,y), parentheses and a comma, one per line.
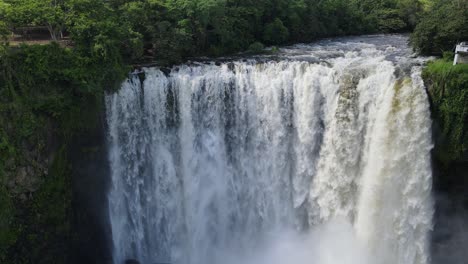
(320,154)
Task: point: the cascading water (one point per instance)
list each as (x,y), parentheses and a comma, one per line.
(318,155)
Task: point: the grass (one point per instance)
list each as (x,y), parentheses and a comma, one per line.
(448,89)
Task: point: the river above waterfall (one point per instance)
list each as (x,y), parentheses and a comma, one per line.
(318,154)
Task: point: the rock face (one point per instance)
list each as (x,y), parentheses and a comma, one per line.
(90,181)
(26,176)
(27,169)
(446,86)
(132,261)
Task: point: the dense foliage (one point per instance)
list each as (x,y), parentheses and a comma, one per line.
(449,93)
(169,30)
(448,89)
(48,95)
(443,25)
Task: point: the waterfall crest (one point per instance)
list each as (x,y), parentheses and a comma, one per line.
(212,161)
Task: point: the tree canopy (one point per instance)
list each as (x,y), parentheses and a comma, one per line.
(443,25)
(169,30)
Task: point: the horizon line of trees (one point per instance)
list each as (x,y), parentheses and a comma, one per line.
(170,30)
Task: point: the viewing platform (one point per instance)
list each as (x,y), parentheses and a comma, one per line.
(461,53)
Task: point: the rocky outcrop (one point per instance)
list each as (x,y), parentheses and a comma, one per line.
(24,174)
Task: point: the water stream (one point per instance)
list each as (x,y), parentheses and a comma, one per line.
(319,154)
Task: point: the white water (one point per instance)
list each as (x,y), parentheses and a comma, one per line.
(321,156)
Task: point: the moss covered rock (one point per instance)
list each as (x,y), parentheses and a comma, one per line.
(448,89)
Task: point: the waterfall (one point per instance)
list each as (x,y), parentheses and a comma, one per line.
(320,154)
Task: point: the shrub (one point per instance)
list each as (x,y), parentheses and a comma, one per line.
(448,89)
(256,47)
(276,32)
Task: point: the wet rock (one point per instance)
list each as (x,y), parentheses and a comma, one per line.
(132,261)
(33,184)
(21,176)
(10,163)
(23,197)
(166,71)
(30,171)
(24,179)
(11,183)
(231,66)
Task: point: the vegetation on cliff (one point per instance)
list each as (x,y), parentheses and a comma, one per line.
(448,90)
(443,25)
(48,95)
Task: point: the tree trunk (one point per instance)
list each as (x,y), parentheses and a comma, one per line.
(52,32)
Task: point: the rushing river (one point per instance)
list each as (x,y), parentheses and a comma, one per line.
(317,155)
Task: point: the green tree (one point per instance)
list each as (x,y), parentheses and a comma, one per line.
(410,11)
(275,32)
(441,27)
(48,13)
(4,31)
(98,30)
(390,20)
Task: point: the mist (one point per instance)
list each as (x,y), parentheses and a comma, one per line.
(334,242)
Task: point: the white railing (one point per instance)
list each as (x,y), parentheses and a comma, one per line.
(462,49)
